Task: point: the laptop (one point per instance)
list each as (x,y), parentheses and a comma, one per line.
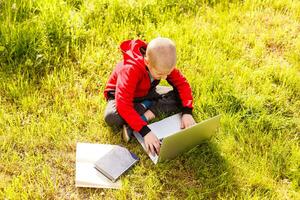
(175,140)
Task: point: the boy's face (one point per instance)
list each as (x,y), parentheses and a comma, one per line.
(158,72)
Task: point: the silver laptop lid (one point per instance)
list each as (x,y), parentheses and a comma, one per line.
(186,139)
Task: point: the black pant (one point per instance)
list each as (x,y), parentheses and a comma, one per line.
(165,101)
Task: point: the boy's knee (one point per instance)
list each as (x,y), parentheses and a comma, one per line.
(113,119)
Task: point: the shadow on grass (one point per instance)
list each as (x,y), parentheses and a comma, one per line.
(202,173)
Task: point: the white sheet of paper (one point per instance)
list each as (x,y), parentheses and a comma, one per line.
(86,174)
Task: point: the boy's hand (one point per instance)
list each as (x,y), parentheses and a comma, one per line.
(187,120)
(152,143)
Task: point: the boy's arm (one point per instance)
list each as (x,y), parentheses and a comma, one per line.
(125,88)
(177,80)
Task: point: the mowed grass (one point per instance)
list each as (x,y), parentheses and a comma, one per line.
(242,59)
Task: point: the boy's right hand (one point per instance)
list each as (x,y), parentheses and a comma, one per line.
(152,143)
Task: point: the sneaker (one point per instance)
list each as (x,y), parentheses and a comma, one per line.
(127,133)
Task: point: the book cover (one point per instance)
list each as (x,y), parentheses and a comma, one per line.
(86,174)
(116,162)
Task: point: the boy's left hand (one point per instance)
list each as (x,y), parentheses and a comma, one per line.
(187,120)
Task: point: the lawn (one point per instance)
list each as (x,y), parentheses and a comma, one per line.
(241,57)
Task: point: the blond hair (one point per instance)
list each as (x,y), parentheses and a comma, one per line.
(161,53)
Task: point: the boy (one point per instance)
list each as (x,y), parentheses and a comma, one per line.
(132,95)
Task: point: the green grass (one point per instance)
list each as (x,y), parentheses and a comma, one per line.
(242,59)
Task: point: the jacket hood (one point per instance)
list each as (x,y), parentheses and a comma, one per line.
(131,50)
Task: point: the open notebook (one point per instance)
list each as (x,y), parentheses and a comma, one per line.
(86,174)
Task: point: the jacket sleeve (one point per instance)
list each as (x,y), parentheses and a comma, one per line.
(125,89)
(177,80)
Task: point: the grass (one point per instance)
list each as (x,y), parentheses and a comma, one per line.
(242,59)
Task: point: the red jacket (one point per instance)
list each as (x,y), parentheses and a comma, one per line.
(130,79)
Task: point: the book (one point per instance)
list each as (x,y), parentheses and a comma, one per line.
(86,175)
(116,162)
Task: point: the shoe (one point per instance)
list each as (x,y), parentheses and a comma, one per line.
(127,133)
